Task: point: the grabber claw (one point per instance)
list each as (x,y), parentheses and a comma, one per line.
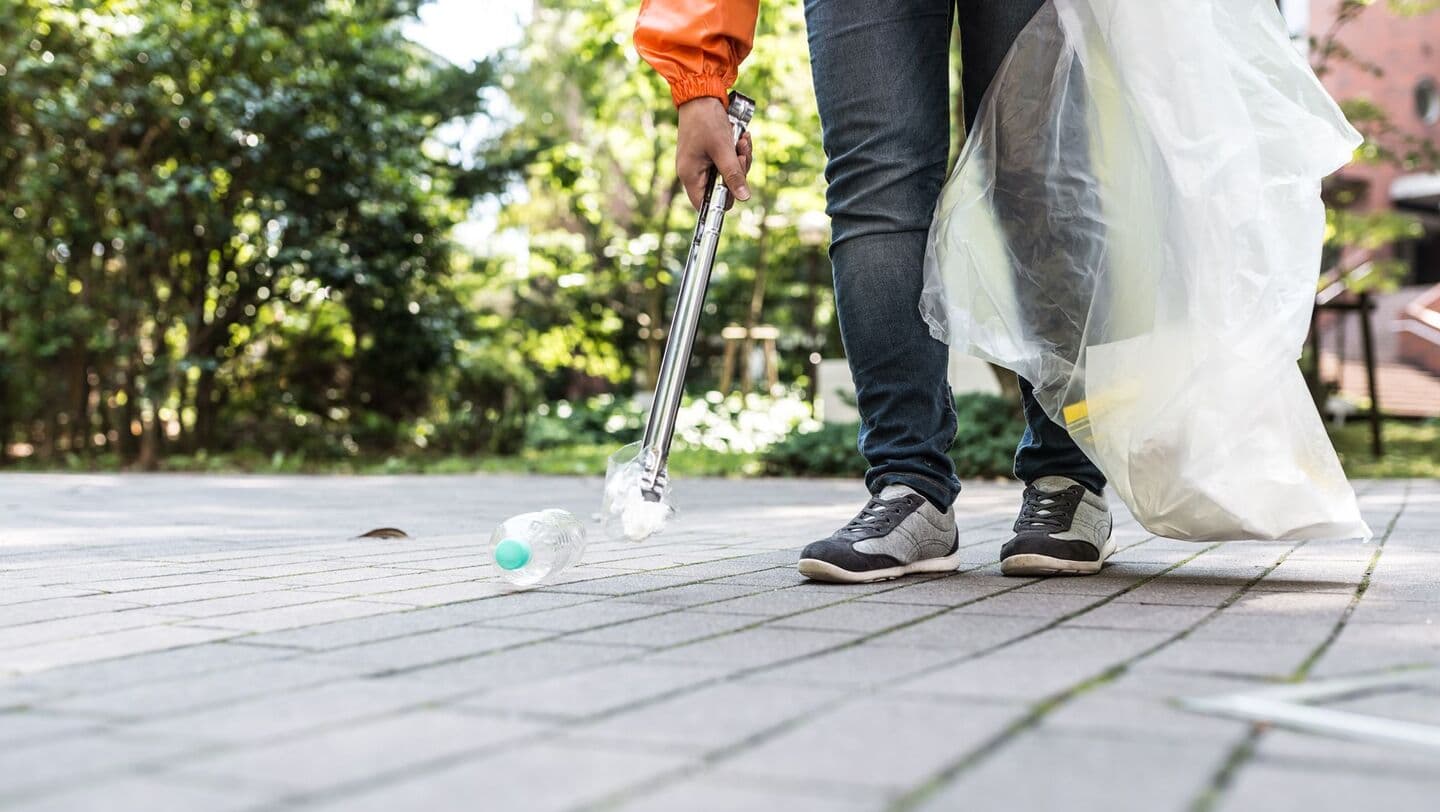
(670,385)
(647,465)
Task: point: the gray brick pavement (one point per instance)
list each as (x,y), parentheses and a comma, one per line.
(173,642)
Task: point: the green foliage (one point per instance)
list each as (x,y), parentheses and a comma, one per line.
(225,225)
(1412,449)
(733,423)
(988,428)
(595,421)
(827,451)
(608,224)
(1358,243)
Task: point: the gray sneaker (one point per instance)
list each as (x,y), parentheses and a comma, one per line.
(899,532)
(1063,529)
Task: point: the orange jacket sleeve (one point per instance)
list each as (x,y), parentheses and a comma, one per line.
(697,45)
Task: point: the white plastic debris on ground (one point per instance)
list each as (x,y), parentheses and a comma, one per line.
(1135,227)
(625,513)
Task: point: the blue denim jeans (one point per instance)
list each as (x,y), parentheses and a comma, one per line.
(882,80)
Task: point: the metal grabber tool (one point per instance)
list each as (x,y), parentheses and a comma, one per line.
(660,425)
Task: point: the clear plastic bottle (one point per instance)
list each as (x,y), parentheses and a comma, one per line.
(533,547)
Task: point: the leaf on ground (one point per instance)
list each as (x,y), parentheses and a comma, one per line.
(385,533)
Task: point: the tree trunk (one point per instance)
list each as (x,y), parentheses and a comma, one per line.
(757,305)
(654,345)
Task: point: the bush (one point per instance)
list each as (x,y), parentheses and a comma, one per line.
(829,451)
(720,423)
(988,429)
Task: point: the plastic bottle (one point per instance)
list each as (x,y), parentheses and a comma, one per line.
(534,547)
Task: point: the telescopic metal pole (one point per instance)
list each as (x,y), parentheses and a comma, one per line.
(670,385)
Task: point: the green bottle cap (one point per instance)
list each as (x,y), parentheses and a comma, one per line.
(512,554)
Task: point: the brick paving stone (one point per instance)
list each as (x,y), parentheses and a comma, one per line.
(731,793)
(1293,748)
(1005,677)
(1120,615)
(861,666)
(580,617)
(45,656)
(150,667)
(889,742)
(672,628)
(1277,659)
(539,777)
(520,664)
(218,650)
(1022,603)
(150,793)
(1113,712)
(715,717)
(814,594)
(949,591)
(753,648)
(297,711)
(158,696)
(426,648)
(1044,768)
(856,616)
(82,756)
(357,752)
(961,633)
(1293,788)
(27,726)
(294,617)
(594,691)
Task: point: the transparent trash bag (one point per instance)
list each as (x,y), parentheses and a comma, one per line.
(1135,227)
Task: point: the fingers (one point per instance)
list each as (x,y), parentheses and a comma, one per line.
(693,175)
(727,163)
(706,141)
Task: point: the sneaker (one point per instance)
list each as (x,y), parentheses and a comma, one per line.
(899,532)
(1063,529)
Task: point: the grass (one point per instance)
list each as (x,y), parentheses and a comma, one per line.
(579,459)
(1412,450)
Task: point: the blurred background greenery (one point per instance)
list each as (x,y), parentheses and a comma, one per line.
(290,235)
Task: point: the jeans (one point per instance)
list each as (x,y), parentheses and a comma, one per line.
(882,81)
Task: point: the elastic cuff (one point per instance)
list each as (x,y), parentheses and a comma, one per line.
(699,85)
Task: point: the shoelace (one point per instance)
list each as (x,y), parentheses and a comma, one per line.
(876,513)
(1051,511)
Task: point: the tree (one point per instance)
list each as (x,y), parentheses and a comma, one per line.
(225,213)
(1362,239)
(609,224)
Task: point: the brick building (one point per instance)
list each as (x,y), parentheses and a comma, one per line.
(1405,51)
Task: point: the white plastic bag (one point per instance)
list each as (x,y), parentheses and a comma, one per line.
(1135,226)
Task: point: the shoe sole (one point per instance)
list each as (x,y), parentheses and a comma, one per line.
(817,570)
(1034,564)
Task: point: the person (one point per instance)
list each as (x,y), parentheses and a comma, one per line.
(881,75)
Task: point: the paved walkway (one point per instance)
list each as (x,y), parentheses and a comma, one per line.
(218,643)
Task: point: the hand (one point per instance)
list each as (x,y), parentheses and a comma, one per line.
(704,141)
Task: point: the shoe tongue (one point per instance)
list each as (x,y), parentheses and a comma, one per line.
(1054,484)
(895,491)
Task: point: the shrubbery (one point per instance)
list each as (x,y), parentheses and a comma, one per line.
(716,422)
(988,429)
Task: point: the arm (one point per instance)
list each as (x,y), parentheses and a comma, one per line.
(697,46)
